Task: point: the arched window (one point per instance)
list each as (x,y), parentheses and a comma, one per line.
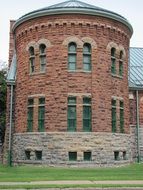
(72,56)
(32,59)
(87,57)
(42,50)
(121,64)
(113,61)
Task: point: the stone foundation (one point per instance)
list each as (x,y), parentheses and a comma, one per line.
(53,148)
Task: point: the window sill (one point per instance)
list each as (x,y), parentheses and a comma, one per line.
(37,73)
(78,71)
(116,76)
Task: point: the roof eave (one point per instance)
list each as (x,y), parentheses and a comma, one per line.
(136,88)
(73,11)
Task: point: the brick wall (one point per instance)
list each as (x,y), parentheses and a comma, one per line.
(57,83)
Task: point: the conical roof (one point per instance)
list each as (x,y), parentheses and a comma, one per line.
(75,7)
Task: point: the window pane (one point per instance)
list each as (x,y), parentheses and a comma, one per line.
(87,48)
(32,64)
(72,66)
(41,117)
(113,66)
(113,119)
(86,59)
(86,100)
(121,54)
(120,68)
(113,52)
(71,100)
(42,48)
(87,156)
(30,119)
(72,58)
(72,156)
(87,67)
(31,51)
(30,101)
(72,112)
(41,100)
(38,155)
(72,47)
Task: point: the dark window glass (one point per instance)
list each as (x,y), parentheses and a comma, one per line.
(72,56)
(87,57)
(72,156)
(113,116)
(72,114)
(86,114)
(87,156)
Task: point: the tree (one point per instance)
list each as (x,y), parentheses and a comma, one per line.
(2,104)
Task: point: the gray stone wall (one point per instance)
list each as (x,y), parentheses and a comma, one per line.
(55,147)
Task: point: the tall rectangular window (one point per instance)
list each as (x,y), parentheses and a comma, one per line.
(41,115)
(42,49)
(113,61)
(86,114)
(32,59)
(121,117)
(87,57)
(120,68)
(71,113)
(32,64)
(121,64)
(72,54)
(113,116)
(42,63)
(30,115)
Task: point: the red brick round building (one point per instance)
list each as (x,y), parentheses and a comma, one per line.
(71,88)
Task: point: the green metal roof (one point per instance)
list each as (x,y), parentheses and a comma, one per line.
(73,7)
(136,68)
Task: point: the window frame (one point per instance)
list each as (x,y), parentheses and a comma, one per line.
(72,156)
(113,61)
(87,55)
(30,115)
(31,59)
(87,156)
(121,64)
(87,107)
(70,118)
(41,120)
(114,115)
(72,54)
(121,116)
(42,57)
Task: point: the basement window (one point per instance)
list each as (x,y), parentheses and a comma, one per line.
(72,156)
(87,156)
(124,155)
(116,155)
(38,155)
(27,154)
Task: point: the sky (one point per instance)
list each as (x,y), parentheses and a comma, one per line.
(132,10)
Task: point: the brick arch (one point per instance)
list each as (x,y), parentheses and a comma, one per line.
(31,44)
(73,39)
(44,41)
(112,45)
(121,48)
(90,41)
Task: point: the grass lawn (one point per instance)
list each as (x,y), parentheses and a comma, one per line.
(41,173)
